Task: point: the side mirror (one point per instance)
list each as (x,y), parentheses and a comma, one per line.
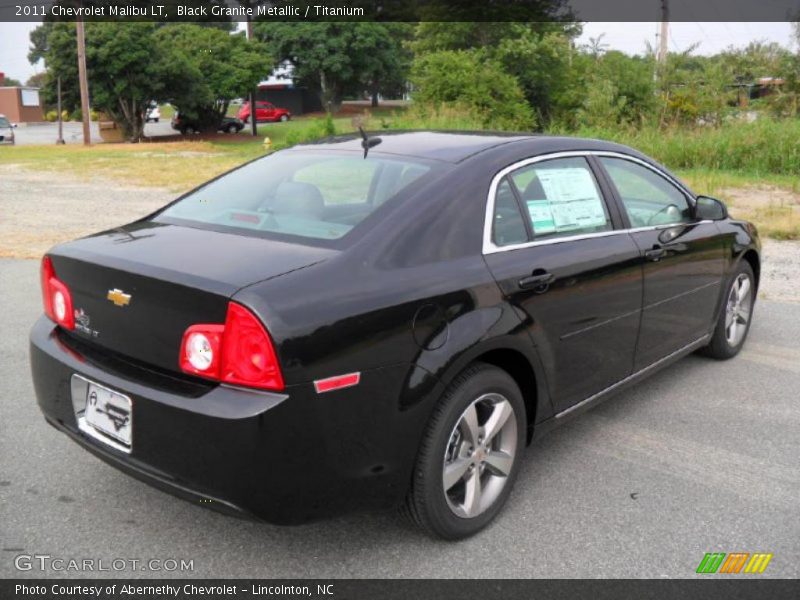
(14,125)
(711,209)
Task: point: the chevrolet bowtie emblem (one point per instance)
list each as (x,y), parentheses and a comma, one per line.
(119,297)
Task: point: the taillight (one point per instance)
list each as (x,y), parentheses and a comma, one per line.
(240,352)
(201,349)
(56,296)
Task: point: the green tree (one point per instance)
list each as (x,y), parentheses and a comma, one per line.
(127,65)
(540,56)
(228,65)
(471,80)
(11,82)
(335,59)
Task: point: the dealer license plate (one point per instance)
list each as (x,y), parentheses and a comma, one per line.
(110,413)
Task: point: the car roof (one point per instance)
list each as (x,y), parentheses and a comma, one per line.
(457,146)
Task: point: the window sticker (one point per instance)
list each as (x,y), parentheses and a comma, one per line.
(573,202)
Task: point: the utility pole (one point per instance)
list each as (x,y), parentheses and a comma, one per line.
(84,83)
(253,124)
(60,139)
(663,40)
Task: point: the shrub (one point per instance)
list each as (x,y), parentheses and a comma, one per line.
(471,81)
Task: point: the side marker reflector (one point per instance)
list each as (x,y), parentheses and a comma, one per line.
(336,383)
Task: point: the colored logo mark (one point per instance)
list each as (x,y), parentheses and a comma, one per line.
(735,562)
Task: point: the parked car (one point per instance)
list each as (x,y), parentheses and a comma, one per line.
(265,111)
(153,114)
(188,126)
(383,323)
(6,131)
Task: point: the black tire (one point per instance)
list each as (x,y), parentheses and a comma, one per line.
(189,130)
(284,118)
(231,129)
(427,503)
(156,120)
(721,346)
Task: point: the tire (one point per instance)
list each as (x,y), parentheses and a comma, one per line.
(189,130)
(735,316)
(155,120)
(231,129)
(284,118)
(451,464)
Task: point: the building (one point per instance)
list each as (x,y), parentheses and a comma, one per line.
(20,104)
(280,90)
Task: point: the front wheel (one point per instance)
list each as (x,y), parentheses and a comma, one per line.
(734,320)
(469,457)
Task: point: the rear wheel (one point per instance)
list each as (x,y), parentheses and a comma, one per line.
(734,320)
(469,457)
(284,118)
(189,130)
(232,128)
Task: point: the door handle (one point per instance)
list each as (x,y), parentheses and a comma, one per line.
(655,254)
(537,278)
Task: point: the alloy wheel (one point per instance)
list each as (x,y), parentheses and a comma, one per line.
(737,311)
(479,455)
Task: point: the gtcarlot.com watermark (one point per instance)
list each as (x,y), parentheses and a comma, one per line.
(61,564)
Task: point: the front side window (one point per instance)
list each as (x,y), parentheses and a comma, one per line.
(561,198)
(649,199)
(4,122)
(312,195)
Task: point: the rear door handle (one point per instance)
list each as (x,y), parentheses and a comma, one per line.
(538,278)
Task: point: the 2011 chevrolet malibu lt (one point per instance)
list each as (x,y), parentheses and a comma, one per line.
(381,322)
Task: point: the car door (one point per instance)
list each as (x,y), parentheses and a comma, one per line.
(683,258)
(267,112)
(555,247)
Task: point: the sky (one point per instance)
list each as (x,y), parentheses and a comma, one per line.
(627,37)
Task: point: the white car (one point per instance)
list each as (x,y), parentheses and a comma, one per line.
(6,131)
(153,114)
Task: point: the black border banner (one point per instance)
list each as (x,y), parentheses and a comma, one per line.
(399,10)
(712,588)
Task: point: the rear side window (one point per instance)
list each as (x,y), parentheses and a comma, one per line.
(562,198)
(312,195)
(508,228)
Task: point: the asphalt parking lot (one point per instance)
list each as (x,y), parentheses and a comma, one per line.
(702,457)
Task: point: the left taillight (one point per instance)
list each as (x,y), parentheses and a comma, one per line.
(56,296)
(240,352)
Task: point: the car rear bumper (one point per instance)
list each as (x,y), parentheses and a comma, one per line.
(284,458)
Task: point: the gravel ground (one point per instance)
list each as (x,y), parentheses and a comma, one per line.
(38,210)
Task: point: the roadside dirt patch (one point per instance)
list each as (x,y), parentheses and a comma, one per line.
(775,211)
(39,210)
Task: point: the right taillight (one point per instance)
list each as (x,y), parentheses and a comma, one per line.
(240,352)
(56,296)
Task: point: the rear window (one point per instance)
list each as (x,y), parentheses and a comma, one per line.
(312,195)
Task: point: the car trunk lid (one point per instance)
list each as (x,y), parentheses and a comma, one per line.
(136,289)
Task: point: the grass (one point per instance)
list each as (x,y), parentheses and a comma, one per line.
(176,166)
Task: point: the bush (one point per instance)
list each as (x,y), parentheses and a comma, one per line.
(51,116)
(761,147)
(441,116)
(472,82)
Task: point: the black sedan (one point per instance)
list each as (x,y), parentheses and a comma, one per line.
(366,324)
(188,126)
